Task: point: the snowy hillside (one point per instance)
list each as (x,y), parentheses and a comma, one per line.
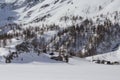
(59,39)
(111,56)
(74,27)
(52,10)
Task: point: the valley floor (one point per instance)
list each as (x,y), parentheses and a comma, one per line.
(76,69)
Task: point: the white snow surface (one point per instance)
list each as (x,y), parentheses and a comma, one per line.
(33,67)
(30,66)
(76,69)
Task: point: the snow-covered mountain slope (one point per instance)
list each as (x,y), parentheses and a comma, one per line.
(111,56)
(49,11)
(82,27)
(53,10)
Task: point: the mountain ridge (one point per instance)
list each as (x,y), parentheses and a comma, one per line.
(25,10)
